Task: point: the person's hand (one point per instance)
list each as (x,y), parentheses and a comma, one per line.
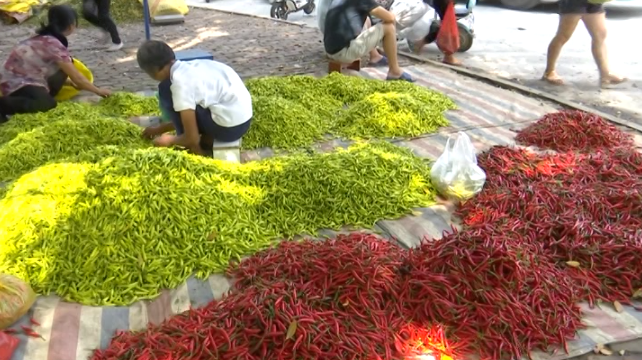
(151,132)
(164,140)
(103,92)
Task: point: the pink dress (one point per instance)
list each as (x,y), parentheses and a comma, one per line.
(31,62)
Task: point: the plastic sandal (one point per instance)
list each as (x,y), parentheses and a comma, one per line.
(382,62)
(404,77)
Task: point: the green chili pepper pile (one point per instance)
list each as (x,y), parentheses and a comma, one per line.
(284,124)
(128,105)
(295,111)
(37,147)
(116,224)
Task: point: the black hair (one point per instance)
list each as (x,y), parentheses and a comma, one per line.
(59,19)
(154,55)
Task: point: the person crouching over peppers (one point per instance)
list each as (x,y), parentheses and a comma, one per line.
(206,100)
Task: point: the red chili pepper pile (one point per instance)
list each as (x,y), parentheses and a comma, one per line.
(547,231)
(572,130)
(336,299)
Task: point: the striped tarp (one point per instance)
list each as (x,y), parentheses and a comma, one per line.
(489,115)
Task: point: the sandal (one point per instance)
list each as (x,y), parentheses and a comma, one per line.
(404,77)
(381,63)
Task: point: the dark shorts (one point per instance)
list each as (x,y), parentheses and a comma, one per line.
(206,126)
(579,7)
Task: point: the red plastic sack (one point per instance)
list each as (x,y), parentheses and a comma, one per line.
(448,36)
(8,345)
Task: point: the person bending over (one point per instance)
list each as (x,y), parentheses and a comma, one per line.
(594,19)
(440,7)
(38,68)
(206,100)
(346,40)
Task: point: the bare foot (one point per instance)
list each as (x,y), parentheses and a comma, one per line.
(611,80)
(450,59)
(374,59)
(552,78)
(417,46)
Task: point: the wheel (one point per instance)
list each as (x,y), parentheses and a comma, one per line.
(279,11)
(465,38)
(520,4)
(309,8)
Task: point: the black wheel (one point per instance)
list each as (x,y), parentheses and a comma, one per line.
(279,10)
(520,4)
(465,38)
(309,8)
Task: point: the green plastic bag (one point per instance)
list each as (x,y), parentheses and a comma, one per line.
(16,298)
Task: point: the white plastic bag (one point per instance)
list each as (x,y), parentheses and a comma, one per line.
(456,174)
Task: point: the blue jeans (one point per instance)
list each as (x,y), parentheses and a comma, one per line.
(206,125)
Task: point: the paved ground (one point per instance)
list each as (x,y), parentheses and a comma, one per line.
(509,44)
(512,44)
(253,46)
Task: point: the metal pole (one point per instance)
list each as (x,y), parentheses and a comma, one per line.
(148,35)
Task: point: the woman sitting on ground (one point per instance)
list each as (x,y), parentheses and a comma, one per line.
(37,68)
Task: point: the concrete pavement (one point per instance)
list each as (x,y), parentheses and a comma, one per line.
(512,44)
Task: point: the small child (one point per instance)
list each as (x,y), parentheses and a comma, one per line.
(206,100)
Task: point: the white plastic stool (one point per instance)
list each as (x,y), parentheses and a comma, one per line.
(228,151)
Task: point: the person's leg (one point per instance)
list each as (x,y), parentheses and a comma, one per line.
(389,35)
(56,81)
(167,105)
(27,100)
(595,23)
(90,12)
(211,131)
(570,14)
(369,40)
(107,23)
(375,58)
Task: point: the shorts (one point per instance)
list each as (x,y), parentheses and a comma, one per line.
(368,40)
(204,122)
(579,7)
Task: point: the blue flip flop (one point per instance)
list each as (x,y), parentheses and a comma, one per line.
(382,62)
(403,77)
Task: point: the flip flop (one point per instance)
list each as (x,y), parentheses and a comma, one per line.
(382,62)
(403,77)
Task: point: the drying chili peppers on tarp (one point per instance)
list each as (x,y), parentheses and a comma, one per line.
(548,231)
(573,130)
